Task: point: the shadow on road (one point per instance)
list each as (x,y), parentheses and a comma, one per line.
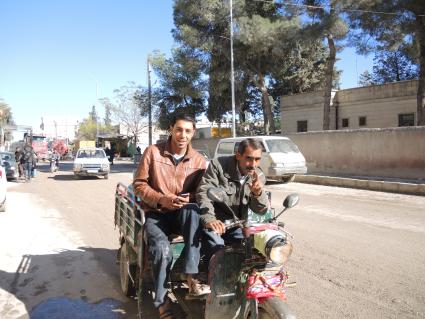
(63,285)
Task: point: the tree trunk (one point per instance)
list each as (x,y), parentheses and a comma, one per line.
(269,126)
(328,82)
(420,33)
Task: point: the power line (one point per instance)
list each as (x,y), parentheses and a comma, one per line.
(344,9)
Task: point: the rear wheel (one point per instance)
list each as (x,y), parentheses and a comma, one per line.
(127,285)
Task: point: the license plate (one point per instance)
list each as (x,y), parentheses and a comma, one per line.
(92,171)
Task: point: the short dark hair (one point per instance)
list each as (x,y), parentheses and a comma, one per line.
(184,117)
(255,144)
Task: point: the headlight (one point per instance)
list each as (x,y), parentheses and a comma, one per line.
(105,166)
(273,245)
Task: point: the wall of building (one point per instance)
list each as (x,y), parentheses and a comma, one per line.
(389,152)
(380,104)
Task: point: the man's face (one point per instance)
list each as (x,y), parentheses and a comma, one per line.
(181,134)
(249,160)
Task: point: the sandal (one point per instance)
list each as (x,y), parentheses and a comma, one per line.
(197,290)
(165,310)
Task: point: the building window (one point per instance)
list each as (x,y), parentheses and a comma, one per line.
(407,119)
(362,121)
(301,126)
(345,122)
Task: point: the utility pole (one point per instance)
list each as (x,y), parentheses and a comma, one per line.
(150,103)
(232,76)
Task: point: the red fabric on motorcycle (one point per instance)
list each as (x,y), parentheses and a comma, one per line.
(263,286)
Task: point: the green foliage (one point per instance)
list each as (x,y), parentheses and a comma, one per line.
(6,116)
(87,130)
(366,79)
(392,66)
(182,88)
(93,114)
(402,30)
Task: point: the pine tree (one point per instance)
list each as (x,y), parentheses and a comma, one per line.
(394,25)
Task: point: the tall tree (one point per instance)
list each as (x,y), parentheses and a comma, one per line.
(366,79)
(181,88)
(203,26)
(129,107)
(393,25)
(107,119)
(327,23)
(6,116)
(87,130)
(264,36)
(93,114)
(392,66)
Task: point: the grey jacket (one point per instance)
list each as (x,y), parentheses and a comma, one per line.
(223,173)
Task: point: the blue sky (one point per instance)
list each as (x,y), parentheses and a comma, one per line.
(54,52)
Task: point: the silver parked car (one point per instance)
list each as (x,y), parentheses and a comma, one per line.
(281,158)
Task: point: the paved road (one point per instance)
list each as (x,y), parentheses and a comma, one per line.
(358,254)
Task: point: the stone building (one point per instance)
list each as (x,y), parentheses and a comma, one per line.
(375,106)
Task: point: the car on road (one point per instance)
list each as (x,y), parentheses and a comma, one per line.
(10,165)
(91,161)
(281,159)
(3,186)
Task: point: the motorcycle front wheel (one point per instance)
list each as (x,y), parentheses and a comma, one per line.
(273,308)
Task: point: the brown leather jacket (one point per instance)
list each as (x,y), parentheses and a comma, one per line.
(158,174)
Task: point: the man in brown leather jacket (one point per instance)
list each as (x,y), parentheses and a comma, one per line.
(166,181)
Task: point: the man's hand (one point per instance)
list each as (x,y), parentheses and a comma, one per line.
(217,226)
(171,202)
(255,185)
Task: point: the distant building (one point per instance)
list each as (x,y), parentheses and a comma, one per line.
(57,127)
(375,106)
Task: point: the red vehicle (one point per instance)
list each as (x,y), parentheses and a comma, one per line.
(40,146)
(60,147)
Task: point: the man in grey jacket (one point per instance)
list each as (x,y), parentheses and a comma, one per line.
(242,179)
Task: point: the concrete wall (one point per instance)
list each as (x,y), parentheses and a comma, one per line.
(390,152)
(380,104)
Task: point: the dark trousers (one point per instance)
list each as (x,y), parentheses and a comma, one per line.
(212,242)
(28,170)
(158,226)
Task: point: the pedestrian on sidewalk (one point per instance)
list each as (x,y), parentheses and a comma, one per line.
(28,161)
(19,158)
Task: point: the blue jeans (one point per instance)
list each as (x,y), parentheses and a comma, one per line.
(212,242)
(158,226)
(28,170)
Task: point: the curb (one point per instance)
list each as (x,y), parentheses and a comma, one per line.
(373,185)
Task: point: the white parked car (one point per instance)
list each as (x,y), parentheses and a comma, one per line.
(91,161)
(281,158)
(3,186)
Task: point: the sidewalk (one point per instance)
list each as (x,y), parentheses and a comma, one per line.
(392,185)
